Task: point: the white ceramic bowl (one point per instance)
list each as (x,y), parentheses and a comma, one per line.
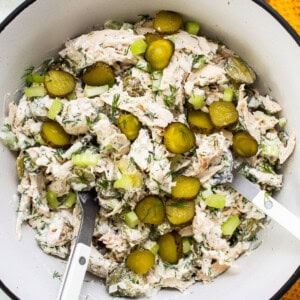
(38,29)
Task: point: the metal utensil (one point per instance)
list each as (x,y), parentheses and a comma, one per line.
(266,204)
(78,260)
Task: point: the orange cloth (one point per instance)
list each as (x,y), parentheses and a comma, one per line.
(293,293)
(290,10)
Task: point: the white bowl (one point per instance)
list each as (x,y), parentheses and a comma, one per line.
(38,29)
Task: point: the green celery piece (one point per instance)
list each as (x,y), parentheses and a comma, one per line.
(154,249)
(131,219)
(34,78)
(125,182)
(138,47)
(228,95)
(92,91)
(230,225)
(216,201)
(55,109)
(52,200)
(186,245)
(35,91)
(197,101)
(192,27)
(71,200)
(85,159)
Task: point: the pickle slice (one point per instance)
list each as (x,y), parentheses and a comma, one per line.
(59,83)
(167,22)
(186,187)
(239,70)
(152,37)
(54,135)
(159,53)
(150,210)
(223,114)
(170,247)
(129,125)
(140,261)
(98,74)
(180,212)
(244,144)
(178,138)
(200,121)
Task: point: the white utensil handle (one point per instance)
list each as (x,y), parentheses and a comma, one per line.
(75,272)
(278,213)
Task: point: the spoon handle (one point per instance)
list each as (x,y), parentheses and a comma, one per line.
(75,272)
(278,213)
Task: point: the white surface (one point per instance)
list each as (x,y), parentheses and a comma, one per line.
(39,32)
(6,6)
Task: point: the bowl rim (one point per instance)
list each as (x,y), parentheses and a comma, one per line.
(263,4)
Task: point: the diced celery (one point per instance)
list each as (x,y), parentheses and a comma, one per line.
(197,101)
(52,200)
(125,182)
(112,24)
(156,80)
(36,91)
(131,219)
(270,149)
(206,193)
(70,200)
(85,159)
(192,27)
(128,181)
(228,95)
(199,62)
(55,109)
(154,249)
(186,245)
(282,122)
(126,166)
(39,140)
(216,201)
(143,65)
(138,47)
(9,139)
(230,225)
(31,78)
(92,91)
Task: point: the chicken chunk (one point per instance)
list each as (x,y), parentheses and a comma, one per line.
(109,46)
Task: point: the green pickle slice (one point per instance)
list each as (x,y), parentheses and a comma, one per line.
(150,210)
(170,247)
(200,121)
(180,212)
(98,74)
(167,21)
(223,114)
(186,187)
(159,53)
(129,125)
(239,71)
(54,135)
(59,83)
(244,144)
(140,261)
(178,138)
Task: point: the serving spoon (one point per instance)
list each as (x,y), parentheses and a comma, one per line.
(79,257)
(266,204)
